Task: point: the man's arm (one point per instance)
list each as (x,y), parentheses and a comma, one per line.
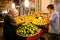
(52,18)
(10,21)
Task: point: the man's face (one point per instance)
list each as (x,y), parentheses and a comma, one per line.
(49,10)
(15,13)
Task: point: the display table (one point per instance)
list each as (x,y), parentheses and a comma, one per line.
(36,36)
(32,37)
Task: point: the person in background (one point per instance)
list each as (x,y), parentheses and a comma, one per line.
(0,15)
(53,31)
(10,25)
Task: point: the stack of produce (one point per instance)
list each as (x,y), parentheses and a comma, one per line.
(28,29)
(18,21)
(31,18)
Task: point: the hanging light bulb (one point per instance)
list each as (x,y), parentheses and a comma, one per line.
(26,3)
(13,5)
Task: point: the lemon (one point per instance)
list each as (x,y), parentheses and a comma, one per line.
(31,34)
(27,35)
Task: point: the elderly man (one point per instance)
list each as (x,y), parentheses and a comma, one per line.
(10,25)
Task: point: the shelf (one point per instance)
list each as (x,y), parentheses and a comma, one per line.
(1,21)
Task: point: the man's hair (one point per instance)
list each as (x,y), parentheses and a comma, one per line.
(51,6)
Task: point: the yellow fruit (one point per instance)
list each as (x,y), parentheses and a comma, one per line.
(32,32)
(17,20)
(31,35)
(24,32)
(27,35)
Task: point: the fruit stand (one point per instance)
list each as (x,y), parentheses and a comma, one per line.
(32,26)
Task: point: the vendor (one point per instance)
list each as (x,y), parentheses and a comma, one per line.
(54,19)
(54,23)
(10,25)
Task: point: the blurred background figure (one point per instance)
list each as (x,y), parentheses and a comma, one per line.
(0,14)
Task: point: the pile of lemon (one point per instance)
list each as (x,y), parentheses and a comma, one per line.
(28,29)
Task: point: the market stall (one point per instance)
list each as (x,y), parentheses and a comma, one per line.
(32,26)
(29,25)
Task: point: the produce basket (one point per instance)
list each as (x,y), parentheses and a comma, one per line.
(27,29)
(30,31)
(35,37)
(29,36)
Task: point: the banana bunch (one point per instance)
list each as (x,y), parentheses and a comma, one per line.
(17,20)
(39,21)
(31,18)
